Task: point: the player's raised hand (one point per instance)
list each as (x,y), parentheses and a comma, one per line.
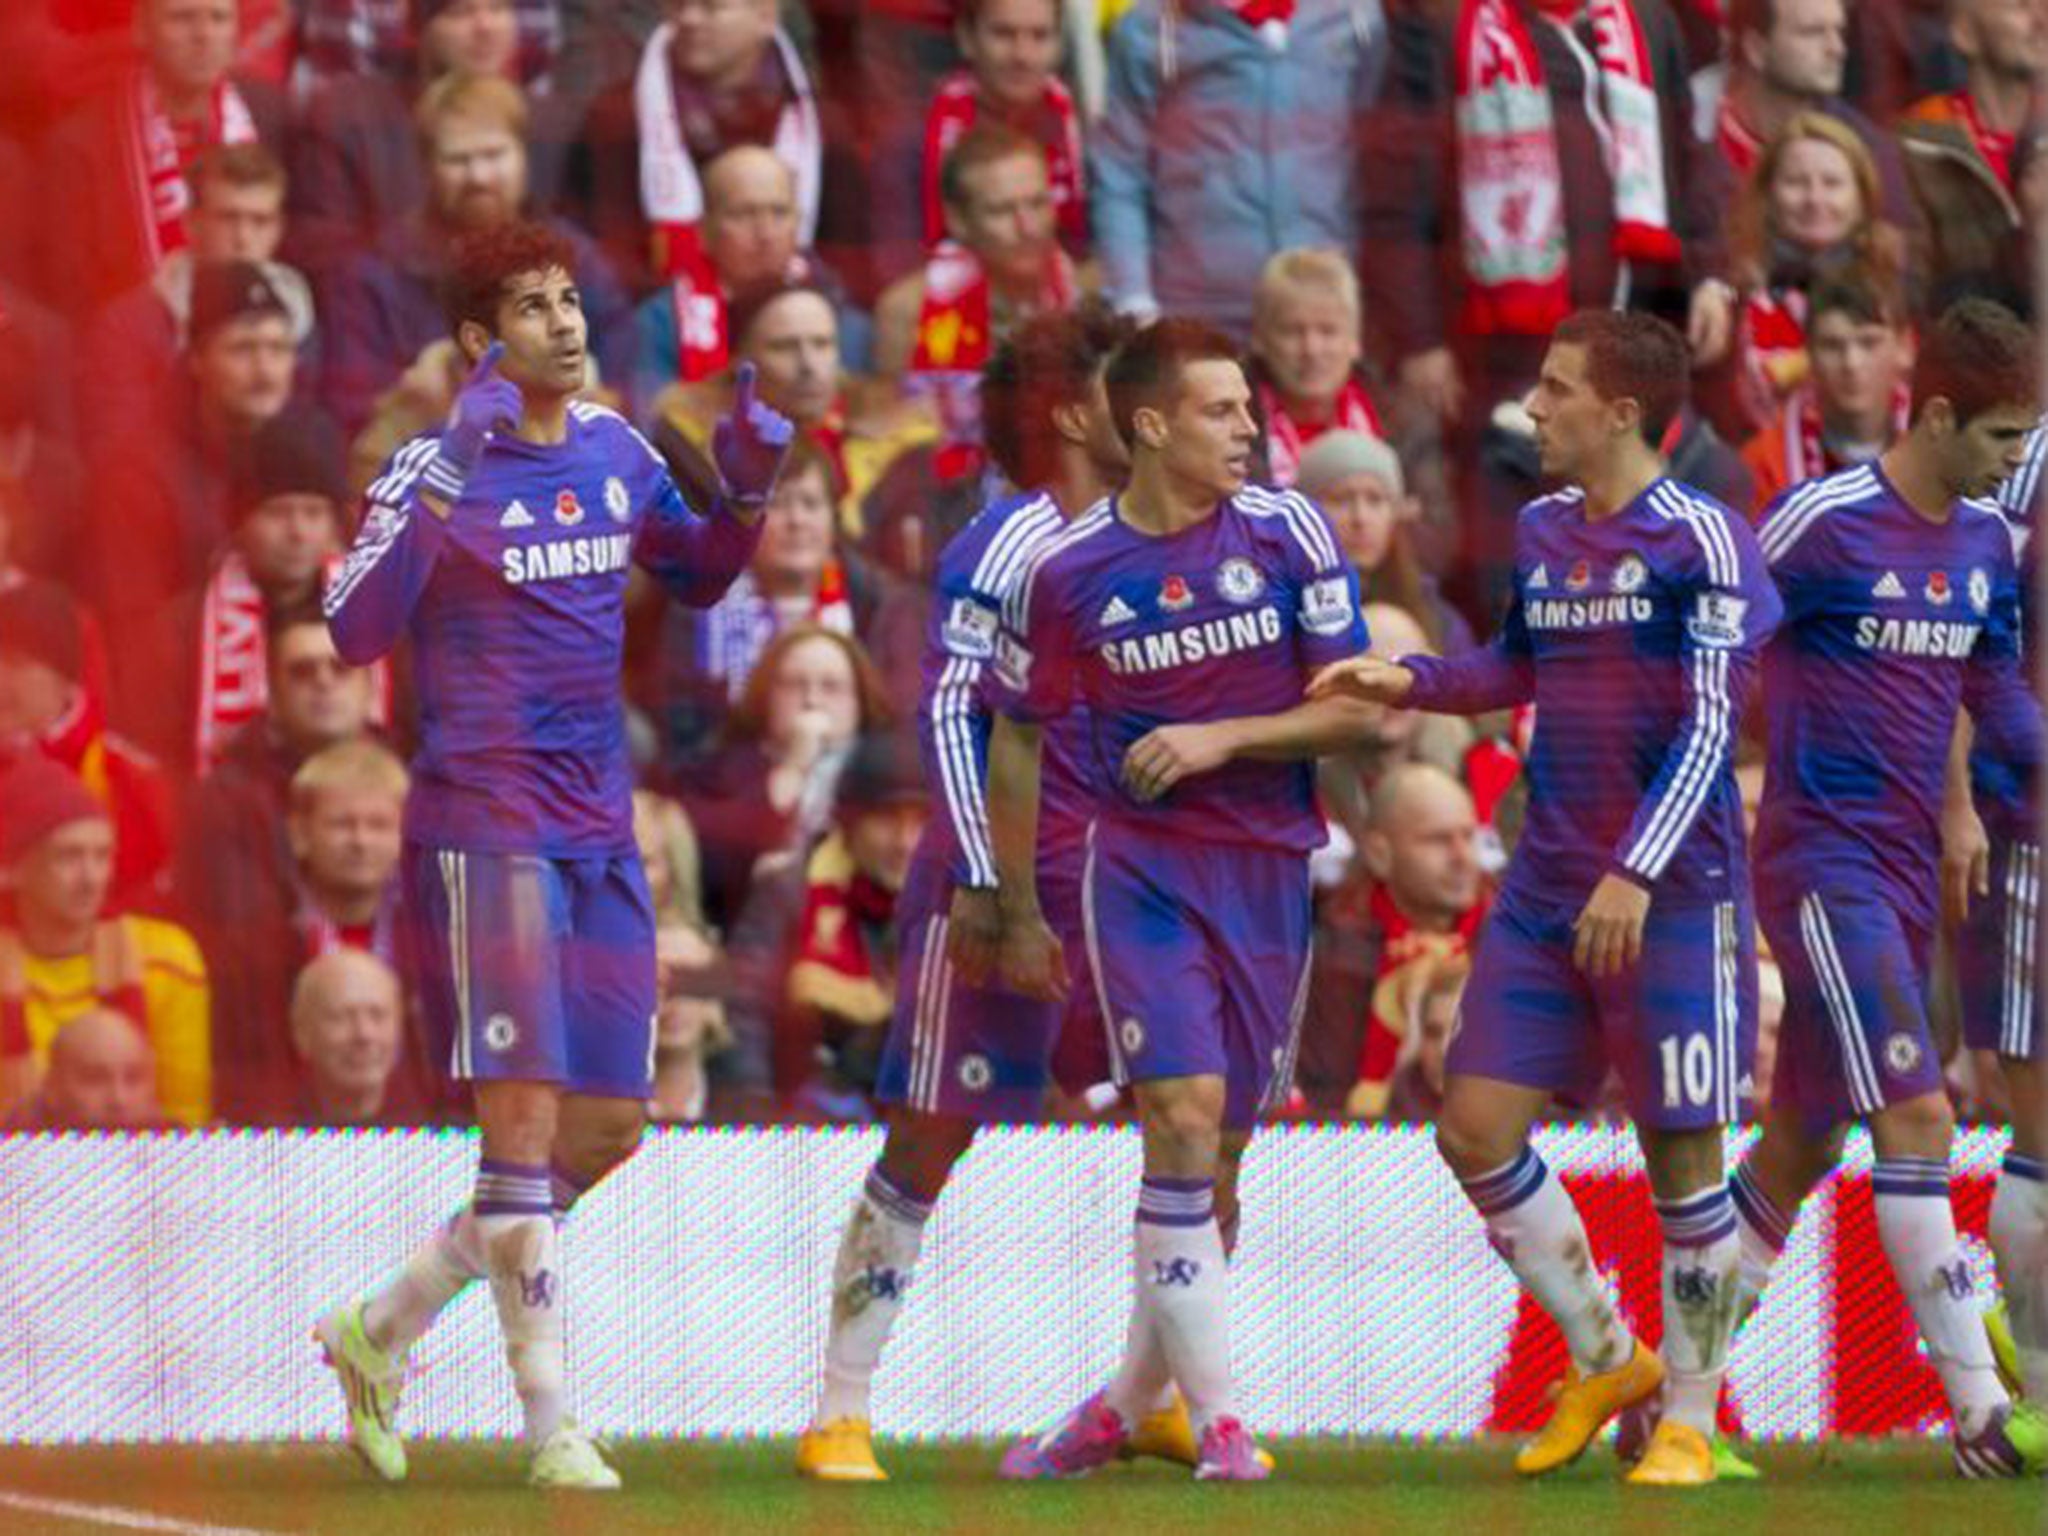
(1368,679)
(1607,938)
(974,934)
(487,402)
(749,443)
(1161,758)
(1030,960)
(1965,859)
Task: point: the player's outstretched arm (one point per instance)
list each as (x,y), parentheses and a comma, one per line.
(1030,958)
(1364,679)
(697,558)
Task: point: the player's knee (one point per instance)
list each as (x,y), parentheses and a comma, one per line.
(1470,1149)
(1919,1127)
(1184,1123)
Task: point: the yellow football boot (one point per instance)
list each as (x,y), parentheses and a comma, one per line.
(1584,1404)
(839,1451)
(1679,1456)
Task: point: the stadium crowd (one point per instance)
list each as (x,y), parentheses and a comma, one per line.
(220,314)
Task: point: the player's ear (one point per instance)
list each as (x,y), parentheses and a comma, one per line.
(1377,852)
(1939,415)
(1070,420)
(1148,426)
(474,340)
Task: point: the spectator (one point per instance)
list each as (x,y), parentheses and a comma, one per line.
(1787,58)
(841,982)
(115,189)
(1416,1095)
(1414,901)
(63,955)
(748,238)
(1810,210)
(716,73)
(1391,737)
(1193,190)
(234,855)
(1959,152)
(1857,396)
(350,43)
(999,264)
(132,346)
(162,502)
(348,1031)
(797,576)
(769,788)
(1012,54)
(200,674)
(342,823)
(789,332)
(40,462)
(1305,371)
(1357,481)
(383,308)
(356,167)
(1493,209)
(691,1023)
(101,1077)
(48,711)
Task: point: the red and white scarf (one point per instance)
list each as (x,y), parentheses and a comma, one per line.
(1806,447)
(1994,147)
(1772,349)
(1287,439)
(157,156)
(671,193)
(702,345)
(1408,956)
(1056,127)
(1739,147)
(1511,187)
(234,678)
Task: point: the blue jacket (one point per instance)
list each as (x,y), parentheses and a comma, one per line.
(1216,151)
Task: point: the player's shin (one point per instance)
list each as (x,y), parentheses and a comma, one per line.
(1182,1282)
(877,1254)
(516,1228)
(1535,1228)
(1917,1228)
(1761,1231)
(399,1315)
(2019,1241)
(1701,1256)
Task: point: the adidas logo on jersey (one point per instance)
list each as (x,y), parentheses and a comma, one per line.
(1116,611)
(1539,579)
(516,516)
(1889,585)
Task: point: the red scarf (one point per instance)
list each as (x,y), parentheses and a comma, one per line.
(1407,956)
(1287,439)
(1771,343)
(1511,187)
(1806,450)
(158,154)
(1995,148)
(1055,125)
(234,679)
(1256,13)
(1739,147)
(701,340)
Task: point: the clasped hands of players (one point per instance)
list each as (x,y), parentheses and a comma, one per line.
(1607,936)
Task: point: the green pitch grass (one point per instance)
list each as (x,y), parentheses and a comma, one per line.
(672,1488)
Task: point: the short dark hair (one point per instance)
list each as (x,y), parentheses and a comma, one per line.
(749,304)
(1146,369)
(279,617)
(1047,362)
(1746,16)
(234,165)
(1978,356)
(1633,356)
(1863,293)
(485,260)
(986,143)
(809,456)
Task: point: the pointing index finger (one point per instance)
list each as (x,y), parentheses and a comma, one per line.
(743,392)
(488,363)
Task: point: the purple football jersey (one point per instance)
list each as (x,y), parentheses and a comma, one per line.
(1225,619)
(1891,623)
(1637,637)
